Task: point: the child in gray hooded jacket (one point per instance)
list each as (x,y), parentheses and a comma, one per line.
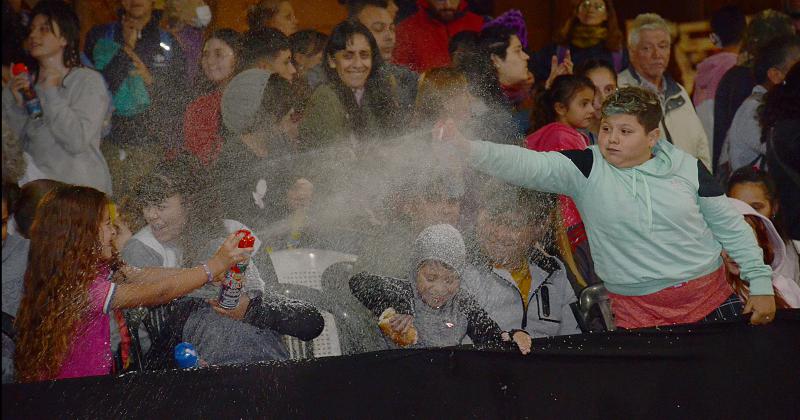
(431,299)
(511,276)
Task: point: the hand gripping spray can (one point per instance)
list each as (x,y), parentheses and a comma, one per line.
(32,104)
(231,288)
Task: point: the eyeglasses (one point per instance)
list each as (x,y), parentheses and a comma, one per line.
(588,5)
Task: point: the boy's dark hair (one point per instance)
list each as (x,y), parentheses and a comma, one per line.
(499,199)
(562,91)
(636,101)
(592,64)
(277,101)
(729,24)
(262,44)
(203,208)
(774,55)
(308,42)
(62,15)
(354,7)
(467,40)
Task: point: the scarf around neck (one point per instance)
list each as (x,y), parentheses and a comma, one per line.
(583,36)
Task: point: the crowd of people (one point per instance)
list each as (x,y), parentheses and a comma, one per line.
(481,185)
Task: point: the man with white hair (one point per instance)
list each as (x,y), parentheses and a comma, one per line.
(649,46)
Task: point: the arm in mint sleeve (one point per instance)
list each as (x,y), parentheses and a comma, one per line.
(735,235)
(564,172)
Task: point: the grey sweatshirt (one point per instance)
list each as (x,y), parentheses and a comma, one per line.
(65,143)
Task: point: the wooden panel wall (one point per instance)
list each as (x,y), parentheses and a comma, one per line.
(543,17)
(322,15)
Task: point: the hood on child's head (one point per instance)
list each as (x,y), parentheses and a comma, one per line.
(441,244)
(775,240)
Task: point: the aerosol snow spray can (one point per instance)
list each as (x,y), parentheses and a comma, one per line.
(32,103)
(232,286)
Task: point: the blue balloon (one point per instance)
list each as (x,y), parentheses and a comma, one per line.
(185,355)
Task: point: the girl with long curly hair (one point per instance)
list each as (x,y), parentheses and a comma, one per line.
(63,320)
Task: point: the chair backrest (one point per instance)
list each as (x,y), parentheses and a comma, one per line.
(305,267)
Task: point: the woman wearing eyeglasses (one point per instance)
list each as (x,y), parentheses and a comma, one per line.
(592,32)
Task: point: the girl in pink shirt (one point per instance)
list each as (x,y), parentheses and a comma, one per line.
(63,320)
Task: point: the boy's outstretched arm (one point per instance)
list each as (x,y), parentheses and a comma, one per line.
(564,172)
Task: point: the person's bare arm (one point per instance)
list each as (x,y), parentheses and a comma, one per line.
(156,286)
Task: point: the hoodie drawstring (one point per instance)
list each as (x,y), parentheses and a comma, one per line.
(647,197)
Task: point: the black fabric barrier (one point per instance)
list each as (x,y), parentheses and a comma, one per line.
(725,370)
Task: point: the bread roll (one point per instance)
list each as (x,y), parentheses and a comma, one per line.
(402,340)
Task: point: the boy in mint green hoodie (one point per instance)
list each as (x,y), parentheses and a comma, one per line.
(656,219)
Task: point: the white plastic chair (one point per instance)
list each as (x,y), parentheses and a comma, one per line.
(304,267)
